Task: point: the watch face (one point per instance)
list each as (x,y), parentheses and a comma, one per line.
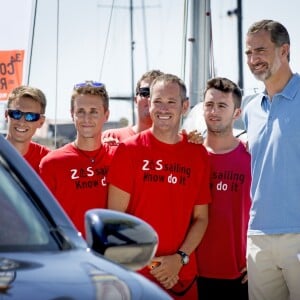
(185,259)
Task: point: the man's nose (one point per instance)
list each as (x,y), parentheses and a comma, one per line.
(253,58)
(163,106)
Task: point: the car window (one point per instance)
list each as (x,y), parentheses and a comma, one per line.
(22,227)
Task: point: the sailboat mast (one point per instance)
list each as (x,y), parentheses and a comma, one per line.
(200,55)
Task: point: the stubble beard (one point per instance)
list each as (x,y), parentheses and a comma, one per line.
(269,72)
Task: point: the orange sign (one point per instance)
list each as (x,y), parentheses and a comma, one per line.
(11,71)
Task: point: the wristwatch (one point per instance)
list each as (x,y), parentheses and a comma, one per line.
(184,257)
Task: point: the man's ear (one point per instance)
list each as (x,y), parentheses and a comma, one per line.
(237,113)
(185,106)
(41,121)
(107,113)
(285,50)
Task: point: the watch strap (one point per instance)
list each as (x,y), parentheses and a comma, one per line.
(184,257)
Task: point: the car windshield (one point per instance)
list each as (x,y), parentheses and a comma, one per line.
(22,227)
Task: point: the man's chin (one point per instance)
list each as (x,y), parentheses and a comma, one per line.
(261,76)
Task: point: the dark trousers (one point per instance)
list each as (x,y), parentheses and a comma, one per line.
(225,289)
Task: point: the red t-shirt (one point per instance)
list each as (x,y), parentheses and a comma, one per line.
(120,134)
(77,183)
(222,251)
(34,155)
(165,182)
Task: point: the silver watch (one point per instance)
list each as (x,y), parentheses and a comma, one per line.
(184,257)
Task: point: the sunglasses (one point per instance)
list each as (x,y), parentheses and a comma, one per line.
(29,116)
(144,92)
(91,83)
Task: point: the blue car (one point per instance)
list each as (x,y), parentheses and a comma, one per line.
(42,256)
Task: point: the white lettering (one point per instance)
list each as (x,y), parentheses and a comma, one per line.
(159,165)
(90,171)
(74,174)
(145,166)
(172,179)
(222,186)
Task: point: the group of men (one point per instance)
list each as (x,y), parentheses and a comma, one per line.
(196,196)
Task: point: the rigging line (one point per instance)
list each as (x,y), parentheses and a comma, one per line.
(56,72)
(31,42)
(145,35)
(106,39)
(211,48)
(132,43)
(184,39)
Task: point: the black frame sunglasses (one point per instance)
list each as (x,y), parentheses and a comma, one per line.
(28,116)
(144,92)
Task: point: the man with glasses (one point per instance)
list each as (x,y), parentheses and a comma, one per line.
(24,115)
(143,117)
(76,172)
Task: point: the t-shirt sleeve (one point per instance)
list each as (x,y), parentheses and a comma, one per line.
(47,173)
(120,172)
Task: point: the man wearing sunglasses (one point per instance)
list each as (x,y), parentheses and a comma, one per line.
(142,103)
(76,172)
(24,115)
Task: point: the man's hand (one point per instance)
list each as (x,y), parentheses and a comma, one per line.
(245,277)
(166,270)
(194,136)
(111,141)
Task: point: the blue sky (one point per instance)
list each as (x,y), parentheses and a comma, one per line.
(82,35)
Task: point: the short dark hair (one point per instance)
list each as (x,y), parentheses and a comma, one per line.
(278,33)
(151,75)
(227,86)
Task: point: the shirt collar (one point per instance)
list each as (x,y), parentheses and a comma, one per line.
(289,92)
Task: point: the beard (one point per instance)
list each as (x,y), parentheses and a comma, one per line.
(270,70)
(263,76)
(219,129)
